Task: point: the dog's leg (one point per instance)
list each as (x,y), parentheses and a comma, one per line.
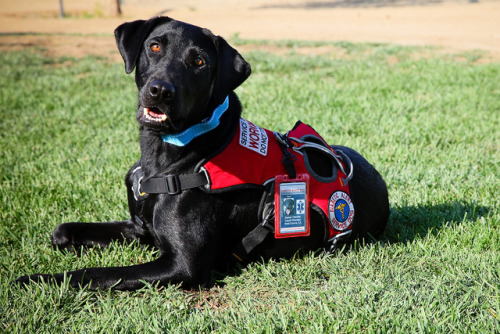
(75,236)
(163,270)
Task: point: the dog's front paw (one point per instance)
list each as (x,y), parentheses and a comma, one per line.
(63,238)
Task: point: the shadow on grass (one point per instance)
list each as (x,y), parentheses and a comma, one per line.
(410,222)
(405,224)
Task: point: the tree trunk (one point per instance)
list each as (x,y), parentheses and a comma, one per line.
(115,8)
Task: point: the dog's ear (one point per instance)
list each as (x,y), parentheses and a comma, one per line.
(232,69)
(130,37)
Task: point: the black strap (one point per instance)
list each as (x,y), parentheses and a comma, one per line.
(173,184)
(338,241)
(254,238)
(288,158)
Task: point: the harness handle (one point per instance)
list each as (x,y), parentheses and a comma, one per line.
(351,167)
(338,157)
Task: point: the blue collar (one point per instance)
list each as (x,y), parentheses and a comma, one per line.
(185,137)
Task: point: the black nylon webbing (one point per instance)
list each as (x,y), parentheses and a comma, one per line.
(173,184)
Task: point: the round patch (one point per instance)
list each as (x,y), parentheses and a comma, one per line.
(340,211)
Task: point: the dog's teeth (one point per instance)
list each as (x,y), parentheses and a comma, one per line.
(146,114)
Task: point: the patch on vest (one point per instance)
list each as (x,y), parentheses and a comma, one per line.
(253,137)
(340,211)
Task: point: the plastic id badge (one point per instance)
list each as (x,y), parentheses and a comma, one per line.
(291,205)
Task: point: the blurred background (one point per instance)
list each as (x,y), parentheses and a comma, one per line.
(451,24)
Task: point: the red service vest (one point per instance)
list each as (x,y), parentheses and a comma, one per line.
(254,156)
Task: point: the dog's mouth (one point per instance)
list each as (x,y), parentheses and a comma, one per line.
(153,115)
(156,118)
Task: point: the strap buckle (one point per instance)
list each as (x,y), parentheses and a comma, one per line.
(283,139)
(173,184)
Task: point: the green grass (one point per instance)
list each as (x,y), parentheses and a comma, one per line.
(428,121)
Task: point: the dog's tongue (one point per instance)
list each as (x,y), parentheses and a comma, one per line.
(156,114)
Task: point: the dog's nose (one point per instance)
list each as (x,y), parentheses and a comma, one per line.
(161,90)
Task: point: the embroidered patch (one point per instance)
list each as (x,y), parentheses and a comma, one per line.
(340,211)
(253,137)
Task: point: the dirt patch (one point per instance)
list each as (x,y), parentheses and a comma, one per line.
(54,45)
(87,29)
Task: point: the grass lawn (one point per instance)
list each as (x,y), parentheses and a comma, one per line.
(427,120)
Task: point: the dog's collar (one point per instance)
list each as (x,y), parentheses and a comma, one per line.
(185,137)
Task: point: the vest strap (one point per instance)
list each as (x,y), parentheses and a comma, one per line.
(288,158)
(173,184)
(257,236)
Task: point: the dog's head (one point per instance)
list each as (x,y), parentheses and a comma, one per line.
(289,206)
(182,71)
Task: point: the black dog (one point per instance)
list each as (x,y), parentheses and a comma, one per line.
(183,74)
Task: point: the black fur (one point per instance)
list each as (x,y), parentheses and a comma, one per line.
(184,72)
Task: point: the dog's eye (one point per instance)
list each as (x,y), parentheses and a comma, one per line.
(155,47)
(198,61)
